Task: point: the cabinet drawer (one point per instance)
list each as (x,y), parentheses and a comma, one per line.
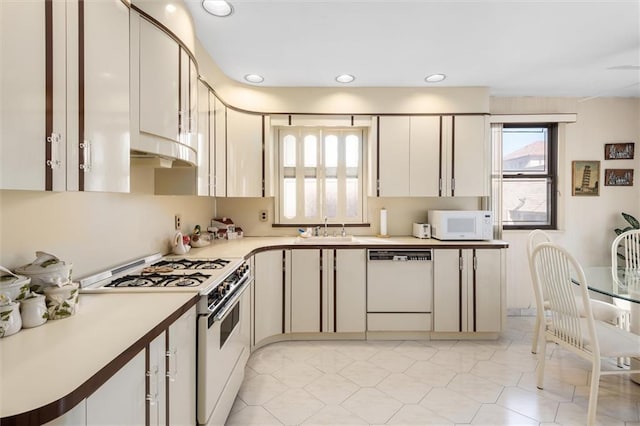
(399,322)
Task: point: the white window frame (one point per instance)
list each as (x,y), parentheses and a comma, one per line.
(320,132)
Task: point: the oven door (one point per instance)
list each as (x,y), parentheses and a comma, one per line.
(223,350)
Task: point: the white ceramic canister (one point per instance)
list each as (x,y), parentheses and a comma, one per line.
(10,319)
(62,302)
(33,311)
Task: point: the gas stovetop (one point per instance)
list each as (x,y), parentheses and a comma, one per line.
(158,273)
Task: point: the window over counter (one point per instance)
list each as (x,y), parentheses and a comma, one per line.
(529,175)
(320,175)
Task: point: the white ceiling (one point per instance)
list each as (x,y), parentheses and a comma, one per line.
(515,47)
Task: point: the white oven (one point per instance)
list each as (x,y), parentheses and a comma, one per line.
(223,351)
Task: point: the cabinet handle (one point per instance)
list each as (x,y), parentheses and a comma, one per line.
(88,156)
(54,139)
(153,397)
(172,355)
(461,263)
(453,184)
(475,262)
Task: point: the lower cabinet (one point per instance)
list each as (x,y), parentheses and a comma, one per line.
(268,288)
(328,290)
(156,387)
(468,290)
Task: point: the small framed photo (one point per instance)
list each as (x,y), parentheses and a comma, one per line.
(619,151)
(618,177)
(585,178)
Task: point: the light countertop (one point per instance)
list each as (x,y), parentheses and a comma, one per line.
(41,365)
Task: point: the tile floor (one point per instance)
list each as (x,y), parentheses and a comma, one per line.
(425,383)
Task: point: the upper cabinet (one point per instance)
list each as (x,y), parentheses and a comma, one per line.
(244,145)
(163,93)
(65,106)
(432,156)
(219,146)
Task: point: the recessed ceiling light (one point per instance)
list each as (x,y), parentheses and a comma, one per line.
(218,8)
(435,78)
(345,78)
(170,8)
(254,78)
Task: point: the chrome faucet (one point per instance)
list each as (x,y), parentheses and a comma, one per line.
(344,231)
(326,230)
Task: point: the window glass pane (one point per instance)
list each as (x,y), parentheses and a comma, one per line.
(310,151)
(331,151)
(289,151)
(289,198)
(311,197)
(352,198)
(331,197)
(524,150)
(525,202)
(352,149)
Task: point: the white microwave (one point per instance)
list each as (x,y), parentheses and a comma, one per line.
(461,224)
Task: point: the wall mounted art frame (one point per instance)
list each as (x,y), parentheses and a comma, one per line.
(618,177)
(585,178)
(619,151)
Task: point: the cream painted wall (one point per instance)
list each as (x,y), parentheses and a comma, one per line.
(94,231)
(587,224)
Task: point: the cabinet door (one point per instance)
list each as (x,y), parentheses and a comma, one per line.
(470,156)
(488,290)
(447,314)
(220,141)
(204,155)
(104,127)
(393,156)
(121,400)
(244,154)
(33,94)
(181,369)
(306,310)
(269,295)
(188,97)
(159,82)
(156,384)
(424,167)
(350,291)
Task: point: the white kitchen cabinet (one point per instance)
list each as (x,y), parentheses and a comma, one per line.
(431,156)
(328,290)
(65,111)
(181,369)
(268,287)
(120,400)
(244,146)
(205,148)
(469,290)
(219,138)
(163,95)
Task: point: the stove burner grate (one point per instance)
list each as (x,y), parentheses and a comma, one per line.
(193,263)
(160,280)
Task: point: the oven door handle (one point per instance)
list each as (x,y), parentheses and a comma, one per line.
(229,305)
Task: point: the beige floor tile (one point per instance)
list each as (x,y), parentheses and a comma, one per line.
(332,388)
(334,415)
(372,405)
(529,404)
(268,360)
(430,373)
(497,373)
(357,350)
(293,406)
(329,361)
(570,414)
(297,374)
(364,373)
(416,350)
(260,389)
(553,389)
(404,388)
(451,405)
(492,415)
(460,361)
(252,416)
(238,405)
(474,387)
(392,361)
(411,414)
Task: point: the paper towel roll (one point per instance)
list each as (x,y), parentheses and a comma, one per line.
(383,222)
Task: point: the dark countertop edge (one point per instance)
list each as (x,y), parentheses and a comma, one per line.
(389,246)
(55,409)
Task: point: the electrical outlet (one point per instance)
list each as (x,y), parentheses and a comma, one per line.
(178,222)
(263,216)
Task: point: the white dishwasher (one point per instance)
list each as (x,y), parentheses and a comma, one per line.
(399,289)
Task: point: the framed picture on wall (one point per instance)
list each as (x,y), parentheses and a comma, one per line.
(585,178)
(618,177)
(619,151)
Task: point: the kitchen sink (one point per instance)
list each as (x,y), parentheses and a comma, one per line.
(330,239)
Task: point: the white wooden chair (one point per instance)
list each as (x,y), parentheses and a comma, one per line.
(586,337)
(625,254)
(602,311)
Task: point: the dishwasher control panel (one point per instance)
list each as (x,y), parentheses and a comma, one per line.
(400,255)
